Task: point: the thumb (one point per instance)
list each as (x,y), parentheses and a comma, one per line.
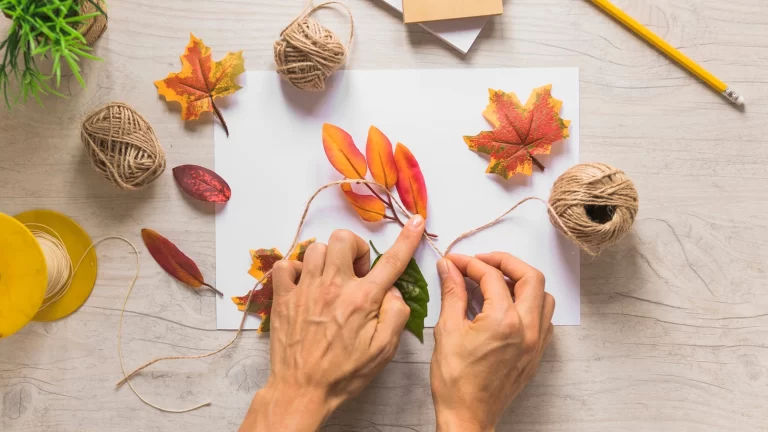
(393,316)
(454,293)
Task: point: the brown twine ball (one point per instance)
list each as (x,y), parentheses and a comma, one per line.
(308,53)
(93,28)
(122,146)
(596,202)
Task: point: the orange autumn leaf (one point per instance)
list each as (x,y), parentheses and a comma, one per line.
(368,207)
(201,80)
(342,153)
(173,260)
(381,161)
(410,181)
(520,131)
(262,261)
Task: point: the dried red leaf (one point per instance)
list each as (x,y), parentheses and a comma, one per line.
(202,184)
(173,260)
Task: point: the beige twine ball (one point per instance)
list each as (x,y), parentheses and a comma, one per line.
(308,53)
(122,146)
(597,203)
(93,28)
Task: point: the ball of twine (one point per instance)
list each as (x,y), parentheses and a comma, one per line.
(308,53)
(122,146)
(596,202)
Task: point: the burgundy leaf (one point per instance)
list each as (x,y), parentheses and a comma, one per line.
(202,184)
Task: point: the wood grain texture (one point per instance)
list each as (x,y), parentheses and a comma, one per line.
(675,318)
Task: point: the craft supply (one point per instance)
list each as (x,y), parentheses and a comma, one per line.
(201,80)
(93,28)
(415,11)
(307,53)
(664,46)
(597,203)
(122,146)
(458,33)
(71,264)
(583,175)
(427,110)
(202,184)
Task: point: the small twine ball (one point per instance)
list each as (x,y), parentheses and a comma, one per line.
(122,146)
(93,28)
(308,53)
(597,203)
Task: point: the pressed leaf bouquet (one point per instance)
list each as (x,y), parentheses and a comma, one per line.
(43,29)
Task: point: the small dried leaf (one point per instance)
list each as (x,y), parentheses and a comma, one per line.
(202,184)
(410,181)
(368,207)
(342,153)
(173,260)
(381,161)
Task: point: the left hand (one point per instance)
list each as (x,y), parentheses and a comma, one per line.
(334,328)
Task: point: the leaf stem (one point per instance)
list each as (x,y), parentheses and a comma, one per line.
(536,161)
(214,289)
(218,114)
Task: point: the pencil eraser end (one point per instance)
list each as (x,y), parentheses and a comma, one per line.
(740,100)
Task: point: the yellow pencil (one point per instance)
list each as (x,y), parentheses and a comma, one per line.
(663,46)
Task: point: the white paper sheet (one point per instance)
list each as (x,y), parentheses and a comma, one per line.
(458,33)
(274,161)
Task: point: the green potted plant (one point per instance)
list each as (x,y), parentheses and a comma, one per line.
(57,30)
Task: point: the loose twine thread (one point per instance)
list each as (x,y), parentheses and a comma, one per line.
(599,183)
(307,53)
(122,146)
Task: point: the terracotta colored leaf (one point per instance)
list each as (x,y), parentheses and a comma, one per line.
(201,183)
(201,80)
(410,181)
(381,161)
(370,208)
(521,131)
(342,153)
(261,300)
(414,289)
(174,261)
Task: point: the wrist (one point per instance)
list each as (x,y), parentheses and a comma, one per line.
(290,410)
(453,422)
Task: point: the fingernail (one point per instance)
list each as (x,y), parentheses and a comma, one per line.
(442,268)
(416,222)
(396,292)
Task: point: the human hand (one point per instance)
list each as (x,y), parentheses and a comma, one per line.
(480,366)
(334,327)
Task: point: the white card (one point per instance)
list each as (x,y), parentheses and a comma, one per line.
(458,33)
(274,161)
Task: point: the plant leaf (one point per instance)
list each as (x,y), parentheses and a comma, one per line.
(414,289)
(173,260)
(202,184)
(368,207)
(342,153)
(520,131)
(201,80)
(261,300)
(410,181)
(381,161)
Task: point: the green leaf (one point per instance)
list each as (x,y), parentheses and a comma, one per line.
(414,289)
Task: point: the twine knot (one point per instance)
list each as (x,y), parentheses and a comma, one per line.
(122,146)
(597,203)
(307,53)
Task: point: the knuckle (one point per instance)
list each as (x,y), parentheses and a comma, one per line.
(282,266)
(342,236)
(530,343)
(316,247)
(550,299)
(391,259)
(539,278)
(511,324)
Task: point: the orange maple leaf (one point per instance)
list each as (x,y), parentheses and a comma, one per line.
(520,131)
(201,80)
(261,300)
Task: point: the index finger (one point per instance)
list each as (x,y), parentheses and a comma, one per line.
(393,262)
(491,281)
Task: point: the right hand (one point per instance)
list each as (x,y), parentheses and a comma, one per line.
(480,366)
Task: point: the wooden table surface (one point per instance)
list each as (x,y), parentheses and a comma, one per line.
(674,333)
